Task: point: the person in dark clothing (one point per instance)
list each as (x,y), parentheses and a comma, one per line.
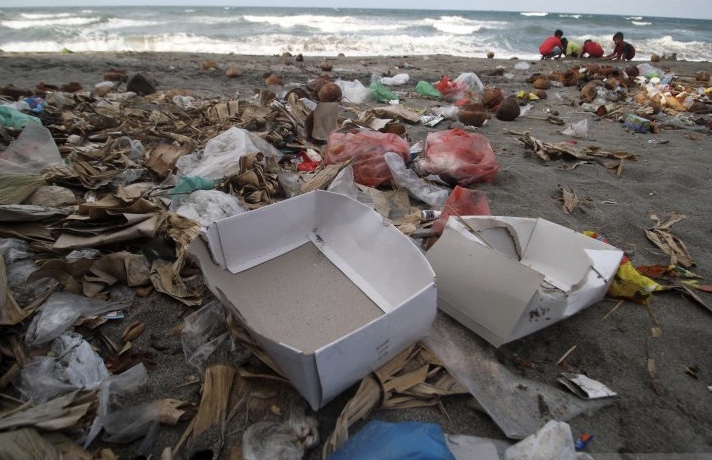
(623,51)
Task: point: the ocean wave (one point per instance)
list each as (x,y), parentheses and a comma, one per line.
(575,16)
(640,23)
(19,24)
(333,24)
(542,14)
(462,26)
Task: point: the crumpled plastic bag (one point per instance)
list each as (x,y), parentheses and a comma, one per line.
(354,91)
(13,118)
(60,311)
(395,441)
(203,332)
(553,441)
(462,202)
(208,206)
(464,85)
(75,366)
(417,187)
(221,157)
(382,94)
(33,151)
(578,129)
(424,88)
(366,148)
(396,80)
(344,183)
(459,157)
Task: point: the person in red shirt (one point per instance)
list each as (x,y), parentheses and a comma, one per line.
(552,47)
(590,49)
(623,50)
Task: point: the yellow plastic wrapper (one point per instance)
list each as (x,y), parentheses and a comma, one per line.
(628,283)
(631,285)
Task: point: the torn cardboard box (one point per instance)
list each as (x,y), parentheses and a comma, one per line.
(506,277)
(329,289)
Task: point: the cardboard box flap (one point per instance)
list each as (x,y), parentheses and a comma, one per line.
(264,233)
(401,268)
(560,253)
(464,268)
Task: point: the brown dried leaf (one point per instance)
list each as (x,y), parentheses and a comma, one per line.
(133,331)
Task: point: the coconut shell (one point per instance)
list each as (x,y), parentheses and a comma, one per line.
(589,92)
(326,65)
(571,78)
(654,57)
(473,114)
(540,93)
(508,110)
(542,83)
(316,84)
(330,92)
(492,97)
(233,72)
(632,71)
(273,79)
(490,55)
(209,64)
(703,76)
(531,78)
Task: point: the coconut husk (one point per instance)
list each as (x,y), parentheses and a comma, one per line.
(492,97)
(330,92)
(542,83)
(215,399)
(473,114)
(508,110)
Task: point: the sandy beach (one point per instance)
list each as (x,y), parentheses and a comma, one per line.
(660,410)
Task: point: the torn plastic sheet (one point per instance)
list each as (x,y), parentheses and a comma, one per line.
(60,311)
(76,367)
(513,402)
(203,332)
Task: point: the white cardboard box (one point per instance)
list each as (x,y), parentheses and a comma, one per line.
(506,277)
(326,286)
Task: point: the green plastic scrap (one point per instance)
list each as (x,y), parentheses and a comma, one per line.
(13,118)
(425,88)
(381,93)
(189,184)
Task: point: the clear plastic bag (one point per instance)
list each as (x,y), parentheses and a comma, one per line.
(344,183)
(33,151)
(76,366)
(203,332)
(396,80)
(221,156)
(60,311)
(578,129)
(354,91)
(416,186)
(208,206)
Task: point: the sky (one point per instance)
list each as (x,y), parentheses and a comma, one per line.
(698,9)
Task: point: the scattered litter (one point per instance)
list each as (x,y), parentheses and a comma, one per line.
(585,387)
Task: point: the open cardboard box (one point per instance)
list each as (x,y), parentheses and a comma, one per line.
(506,277)
(326,286)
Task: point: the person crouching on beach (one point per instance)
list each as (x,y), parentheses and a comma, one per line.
(622,50)
(571,49)
(552,46)
(590,49)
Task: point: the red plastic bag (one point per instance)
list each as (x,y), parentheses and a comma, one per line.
(367,149)
(462,202)
(459,157)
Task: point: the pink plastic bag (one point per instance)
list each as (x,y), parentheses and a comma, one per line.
(367,149)
(462,202)
(459,157)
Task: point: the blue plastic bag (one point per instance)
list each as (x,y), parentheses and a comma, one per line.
(379,440)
